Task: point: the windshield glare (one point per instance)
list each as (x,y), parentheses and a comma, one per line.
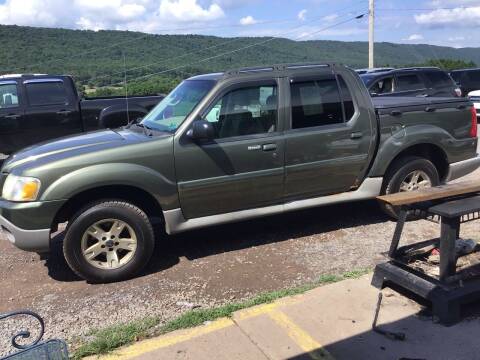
(169,114)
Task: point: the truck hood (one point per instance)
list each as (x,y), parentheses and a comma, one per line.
(71,146)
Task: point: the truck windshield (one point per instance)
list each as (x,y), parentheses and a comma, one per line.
(169,114)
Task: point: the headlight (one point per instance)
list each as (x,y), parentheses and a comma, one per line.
(20,188)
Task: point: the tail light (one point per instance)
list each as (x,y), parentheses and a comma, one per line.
(458,92)
(473,128)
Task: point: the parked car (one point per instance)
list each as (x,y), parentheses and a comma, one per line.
(475,97)
(373,70)
(467,79)
(229,147)
(427,81)
(35,108)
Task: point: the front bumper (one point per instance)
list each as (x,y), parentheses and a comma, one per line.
(28,240)
(462,168)
(27,225)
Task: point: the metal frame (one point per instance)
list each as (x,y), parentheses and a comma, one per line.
(447,292)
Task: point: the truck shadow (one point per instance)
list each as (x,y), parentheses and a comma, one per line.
(237,236)
(272,229)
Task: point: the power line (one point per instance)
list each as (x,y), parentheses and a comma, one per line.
(143,36)
(243,48)
(426,9)
(213,47)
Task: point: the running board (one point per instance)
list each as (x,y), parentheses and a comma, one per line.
(176,223)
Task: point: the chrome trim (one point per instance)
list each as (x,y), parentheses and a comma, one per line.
(462,168)
(176,223)
(28,240)
(8,82)
(36,81)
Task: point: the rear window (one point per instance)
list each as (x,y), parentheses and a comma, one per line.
(438,78)
(46,93)
(409,82)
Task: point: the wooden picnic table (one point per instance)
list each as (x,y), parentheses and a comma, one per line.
(450,205)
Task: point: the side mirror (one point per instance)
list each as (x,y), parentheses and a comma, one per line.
(201,130)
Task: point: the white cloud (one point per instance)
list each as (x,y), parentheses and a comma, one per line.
(330,18)
(414,37)
(141,15)
(248,20)
(457,17)
(302,15)
(189,10)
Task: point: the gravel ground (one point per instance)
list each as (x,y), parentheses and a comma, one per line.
(206,268)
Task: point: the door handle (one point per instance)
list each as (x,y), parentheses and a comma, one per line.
(395,113)
(269,147)
(430,109)
(64,112)
(356,135)
(13,116)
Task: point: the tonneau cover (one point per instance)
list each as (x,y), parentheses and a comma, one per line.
(389,102)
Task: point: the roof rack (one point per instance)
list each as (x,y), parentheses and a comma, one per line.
(420,68)
(277,67)
(9,76)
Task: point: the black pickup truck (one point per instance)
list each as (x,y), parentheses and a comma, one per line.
(35,108)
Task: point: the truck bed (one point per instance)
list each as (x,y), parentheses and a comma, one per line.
(412,103)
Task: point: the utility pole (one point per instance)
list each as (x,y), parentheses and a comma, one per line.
(371,28)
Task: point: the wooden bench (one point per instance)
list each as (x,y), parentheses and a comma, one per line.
(450,205)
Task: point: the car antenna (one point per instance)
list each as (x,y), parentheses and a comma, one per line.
(125,85)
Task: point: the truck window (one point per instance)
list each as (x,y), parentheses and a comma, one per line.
(383,86)
(409,82)
(245,111)
(438,78)
(46,93)
(316,103)
(347,99)
(473,76)
(8,96)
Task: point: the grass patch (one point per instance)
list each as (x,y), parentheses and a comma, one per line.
(113,337)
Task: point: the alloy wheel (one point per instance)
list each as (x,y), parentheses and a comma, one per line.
(109,244)
(415,180)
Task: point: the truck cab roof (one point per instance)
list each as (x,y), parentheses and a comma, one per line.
(283,69)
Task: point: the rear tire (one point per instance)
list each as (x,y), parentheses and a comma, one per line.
(408,174)
(108,241)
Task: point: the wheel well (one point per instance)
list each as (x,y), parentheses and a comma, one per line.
(429,151)
(134,195)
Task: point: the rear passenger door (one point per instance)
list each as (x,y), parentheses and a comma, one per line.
(328,142)
(52,110)
(410,84)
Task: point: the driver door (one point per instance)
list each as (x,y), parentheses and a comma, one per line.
(243,167)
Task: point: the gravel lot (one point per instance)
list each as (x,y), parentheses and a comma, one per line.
(205,268)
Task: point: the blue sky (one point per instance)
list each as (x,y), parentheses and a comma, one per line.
(439,22)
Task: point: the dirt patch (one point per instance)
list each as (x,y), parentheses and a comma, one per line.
(208,267)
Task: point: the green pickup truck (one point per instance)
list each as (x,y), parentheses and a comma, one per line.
(228,147)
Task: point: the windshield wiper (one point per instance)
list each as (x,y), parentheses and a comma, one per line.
(145,129)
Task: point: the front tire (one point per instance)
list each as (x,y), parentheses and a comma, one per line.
(408,174)
(108,241)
